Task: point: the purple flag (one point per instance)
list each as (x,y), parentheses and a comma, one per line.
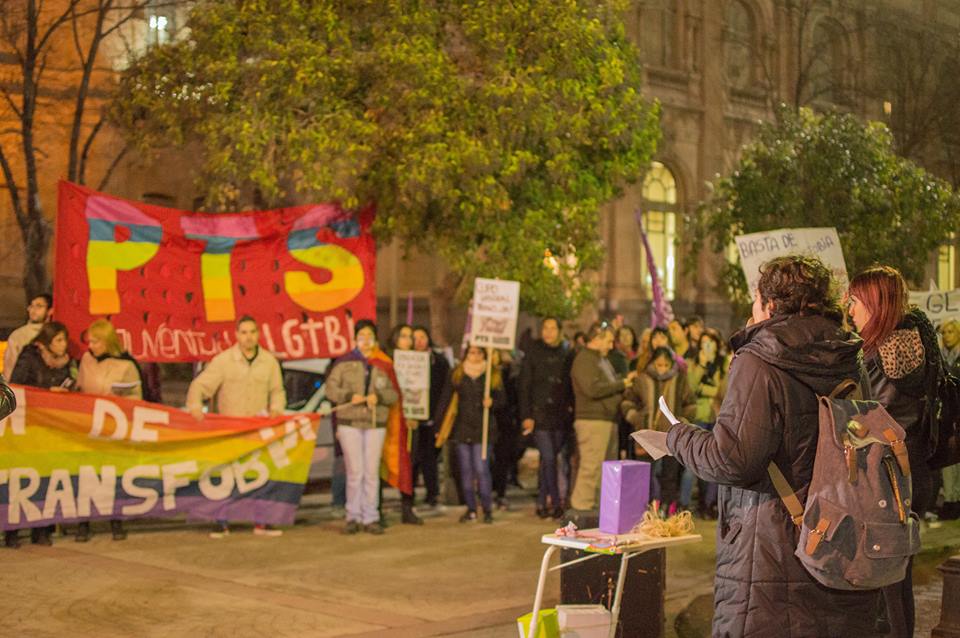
(661,313)
(410,309)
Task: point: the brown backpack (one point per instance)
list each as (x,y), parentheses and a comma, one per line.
(857,531)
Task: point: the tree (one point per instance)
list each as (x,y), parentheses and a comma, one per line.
(812,170)
(487,133)
(55,49)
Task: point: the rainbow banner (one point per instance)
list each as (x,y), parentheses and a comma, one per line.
(68,457)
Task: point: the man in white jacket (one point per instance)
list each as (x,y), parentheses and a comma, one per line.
(246,381)
(38,312)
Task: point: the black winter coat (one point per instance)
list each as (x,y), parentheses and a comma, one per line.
(31,370)
(545,393)
(468,427)
(900,374)
(770,412)
(439,378)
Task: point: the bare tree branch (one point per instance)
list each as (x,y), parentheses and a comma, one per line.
(82,170)
(113,165)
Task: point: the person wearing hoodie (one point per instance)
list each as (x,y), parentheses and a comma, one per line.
(661,378)
(107,369)
(545,409)
(793,350)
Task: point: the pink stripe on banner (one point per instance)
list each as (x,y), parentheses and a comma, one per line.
(235,226)
(318,217)
(114,210)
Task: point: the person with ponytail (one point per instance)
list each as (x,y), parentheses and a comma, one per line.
(901,357)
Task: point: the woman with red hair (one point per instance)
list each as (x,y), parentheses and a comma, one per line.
(900,355)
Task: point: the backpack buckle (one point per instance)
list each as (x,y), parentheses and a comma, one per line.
(816,535)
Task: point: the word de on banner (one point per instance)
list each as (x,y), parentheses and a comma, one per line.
(174,283)
(496,304)
(758,248)
(938,305)
(413,376)
(78,457)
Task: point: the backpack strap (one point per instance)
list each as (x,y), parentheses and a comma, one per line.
(843,389)
(787,495)
(899,448)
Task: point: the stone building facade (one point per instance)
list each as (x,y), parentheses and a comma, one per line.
(717,67)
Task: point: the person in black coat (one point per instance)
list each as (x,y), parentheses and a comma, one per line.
(463,424)
(43,363)
(546,409)
(901,357)
(795,349)
(425,461)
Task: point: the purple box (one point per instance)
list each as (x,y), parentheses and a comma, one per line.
(624,495)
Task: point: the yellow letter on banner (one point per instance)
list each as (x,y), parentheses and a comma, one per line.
(346,271)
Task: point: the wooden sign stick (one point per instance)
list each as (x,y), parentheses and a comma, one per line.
(486,410)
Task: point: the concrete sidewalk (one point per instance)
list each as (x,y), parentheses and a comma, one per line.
(170,579)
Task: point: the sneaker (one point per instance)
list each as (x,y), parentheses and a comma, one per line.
(557,514)
(373,528)
(488,517)
(222,531)
(410,518)
(543,512)
(352,527)
(468,517)
(266,530)
(41,536)
(116,529)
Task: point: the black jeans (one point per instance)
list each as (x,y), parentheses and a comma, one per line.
(425,460)
(549,443)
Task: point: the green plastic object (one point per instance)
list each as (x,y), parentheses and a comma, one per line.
(547,627)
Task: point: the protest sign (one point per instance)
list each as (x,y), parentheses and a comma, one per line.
(939,305)
(496,304)
(758,248)
(413,375)
(71,457)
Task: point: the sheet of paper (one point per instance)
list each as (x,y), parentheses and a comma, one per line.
(667,413)
(654,442)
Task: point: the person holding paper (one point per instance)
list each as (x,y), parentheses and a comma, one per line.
(363,385)
(107,369)
(661,378)
(597,390)
(401,338)
(426,460)
(795,350)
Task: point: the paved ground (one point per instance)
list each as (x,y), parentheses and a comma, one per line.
(442,579)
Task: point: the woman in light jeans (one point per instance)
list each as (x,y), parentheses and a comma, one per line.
(362,385)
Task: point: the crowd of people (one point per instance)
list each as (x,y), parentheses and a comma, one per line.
(576,401)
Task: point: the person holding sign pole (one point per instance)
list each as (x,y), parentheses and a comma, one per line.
(363,390)
(463,423)
(597,391)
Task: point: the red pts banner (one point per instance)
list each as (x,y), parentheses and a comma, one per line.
(174,283)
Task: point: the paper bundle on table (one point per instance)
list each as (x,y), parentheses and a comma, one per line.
(624,495)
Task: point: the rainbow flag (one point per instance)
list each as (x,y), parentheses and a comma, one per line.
(67,457)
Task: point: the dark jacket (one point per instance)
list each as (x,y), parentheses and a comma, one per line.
(468,427)
(31,370)
(596,387)
(901,375)
(439,378)
(770,412)
(545,394)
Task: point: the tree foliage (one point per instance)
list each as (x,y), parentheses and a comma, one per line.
(833,169)
(485,132)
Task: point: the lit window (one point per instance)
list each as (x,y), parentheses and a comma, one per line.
(738,45)
(660,225)
(947,266)
(160,23)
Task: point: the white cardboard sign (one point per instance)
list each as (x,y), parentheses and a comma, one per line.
(413,375)
(939,305)
(759,248)
(496,304)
